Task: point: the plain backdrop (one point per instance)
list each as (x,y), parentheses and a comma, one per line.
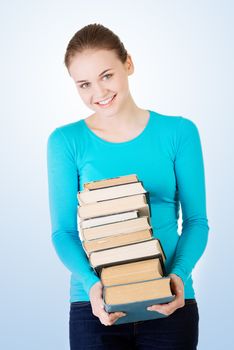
(183,56)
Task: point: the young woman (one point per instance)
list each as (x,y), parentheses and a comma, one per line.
(120,138)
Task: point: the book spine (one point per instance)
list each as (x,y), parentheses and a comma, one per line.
(162,248)
(148,202)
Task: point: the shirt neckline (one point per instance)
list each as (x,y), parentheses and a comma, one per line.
(136,138)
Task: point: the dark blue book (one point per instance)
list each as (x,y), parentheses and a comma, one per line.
(134,298)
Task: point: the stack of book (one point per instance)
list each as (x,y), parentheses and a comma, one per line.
(114,224)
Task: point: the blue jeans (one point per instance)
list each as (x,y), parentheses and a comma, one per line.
(178,331)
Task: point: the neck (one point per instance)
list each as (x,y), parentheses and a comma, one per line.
(129,116)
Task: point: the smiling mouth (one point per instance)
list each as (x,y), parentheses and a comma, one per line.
(106,102)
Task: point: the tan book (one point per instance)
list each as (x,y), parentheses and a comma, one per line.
(115,228)
(132,251)
(116,240)
(85,197)
(132,272)
(118,180)
(139,291)
(113,206)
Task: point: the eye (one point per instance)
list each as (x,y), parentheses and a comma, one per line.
(106,75)
(82,85)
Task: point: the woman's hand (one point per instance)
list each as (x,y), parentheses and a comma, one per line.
(177,287)
(97,304)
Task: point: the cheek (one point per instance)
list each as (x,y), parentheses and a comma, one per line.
(84,96)
(120,86)
(123,84)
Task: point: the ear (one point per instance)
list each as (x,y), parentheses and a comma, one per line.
(129,65)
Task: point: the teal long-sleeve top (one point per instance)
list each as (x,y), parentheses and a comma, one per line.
(166,156)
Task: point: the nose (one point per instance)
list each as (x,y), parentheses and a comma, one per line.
(99,91)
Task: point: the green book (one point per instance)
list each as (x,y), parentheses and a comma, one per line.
(134,298)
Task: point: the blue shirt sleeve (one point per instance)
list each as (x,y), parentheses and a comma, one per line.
(62,189)
(190,178)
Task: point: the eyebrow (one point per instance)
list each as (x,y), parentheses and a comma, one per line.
(106,70)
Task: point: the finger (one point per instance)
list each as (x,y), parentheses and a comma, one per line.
(109,318)
(167,309)
(159,309)
(162,309)
(172,304)
(103,316)
(113,317)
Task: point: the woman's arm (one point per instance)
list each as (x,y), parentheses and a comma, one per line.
(63,187)
(189,171)
(190,177)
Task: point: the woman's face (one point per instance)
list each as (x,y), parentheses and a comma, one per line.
(101,77)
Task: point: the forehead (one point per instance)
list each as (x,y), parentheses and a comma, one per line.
(92,63)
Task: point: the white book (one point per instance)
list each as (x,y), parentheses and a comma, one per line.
(112,192)
(102,220)
(132,251)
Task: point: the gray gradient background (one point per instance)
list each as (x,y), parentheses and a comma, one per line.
(183,56)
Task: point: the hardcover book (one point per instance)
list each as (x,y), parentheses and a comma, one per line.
(127,225)
(128,252)
(106,193)
(113,181)
(113,206)
(107,219)
(132,272)
(134,298)
(114,217)
(116,240)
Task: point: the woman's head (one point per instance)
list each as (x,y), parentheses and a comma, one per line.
(94,36)
(93,54)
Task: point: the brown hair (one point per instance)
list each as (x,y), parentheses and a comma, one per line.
(94,36)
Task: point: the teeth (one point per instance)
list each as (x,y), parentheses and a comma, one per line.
(106,101)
